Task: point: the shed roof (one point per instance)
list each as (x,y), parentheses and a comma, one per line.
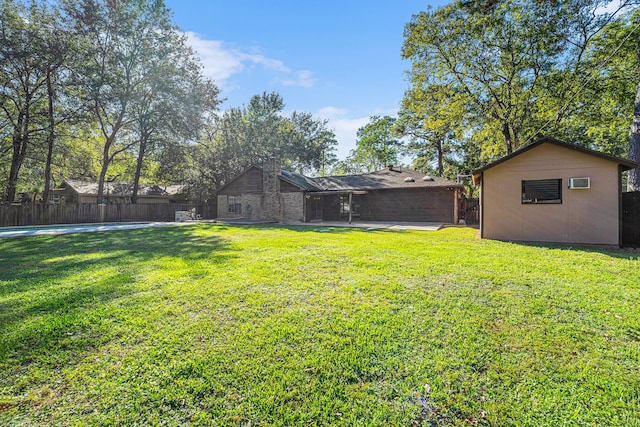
(624,163)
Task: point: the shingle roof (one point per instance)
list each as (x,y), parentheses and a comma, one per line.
(90,188)
(396,177)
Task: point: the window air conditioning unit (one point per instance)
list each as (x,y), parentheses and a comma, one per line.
(579,183)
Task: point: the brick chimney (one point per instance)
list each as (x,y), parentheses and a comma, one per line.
(270,173)
(271,204)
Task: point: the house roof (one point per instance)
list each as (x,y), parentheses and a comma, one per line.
(90,188)
(389,178)
(392,177)
(626,164)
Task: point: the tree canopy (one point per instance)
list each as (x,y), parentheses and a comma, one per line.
(110,90)
(489,76)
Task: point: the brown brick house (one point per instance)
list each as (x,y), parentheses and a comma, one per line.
(552,191)
(268,194)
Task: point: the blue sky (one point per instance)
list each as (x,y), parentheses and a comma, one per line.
(339,60)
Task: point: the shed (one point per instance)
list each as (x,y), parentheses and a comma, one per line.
(552,191)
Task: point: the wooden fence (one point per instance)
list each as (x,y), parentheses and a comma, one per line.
(631,219)
(471,208)
(45,214)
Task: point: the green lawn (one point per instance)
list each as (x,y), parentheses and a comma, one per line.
(266,326)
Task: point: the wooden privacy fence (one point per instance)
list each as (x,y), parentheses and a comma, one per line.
(631,219)
(471,209)
(45,214)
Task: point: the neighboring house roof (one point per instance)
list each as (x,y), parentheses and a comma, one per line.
(626,164)
(90,188)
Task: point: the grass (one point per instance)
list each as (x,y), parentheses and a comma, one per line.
(267,326)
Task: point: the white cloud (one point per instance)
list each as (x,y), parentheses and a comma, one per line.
(303,79)
(344,127)
(221,63)
(267,63)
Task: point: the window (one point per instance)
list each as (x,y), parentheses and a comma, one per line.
(234,204)
(542,191)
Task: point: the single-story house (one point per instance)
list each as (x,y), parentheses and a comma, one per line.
(79,191)
(269,194)
(555,192)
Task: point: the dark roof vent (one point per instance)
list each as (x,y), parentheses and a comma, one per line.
(427,178)
(409,179)
(390,167)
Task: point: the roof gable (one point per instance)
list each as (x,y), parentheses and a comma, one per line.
(624,163)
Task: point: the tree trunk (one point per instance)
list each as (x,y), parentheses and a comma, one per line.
(440,157)
(633,181)
(20,143)
(103,171)
(508,139)
(136,179)
(50,140)
(16,163)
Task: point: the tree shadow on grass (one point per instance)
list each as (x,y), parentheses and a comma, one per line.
(612,251)
(53,257)
(310,228)
(38,312)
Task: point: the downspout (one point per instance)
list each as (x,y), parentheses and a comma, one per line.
(304,206)
(455,213)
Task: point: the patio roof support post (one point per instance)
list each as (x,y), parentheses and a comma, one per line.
(350,206)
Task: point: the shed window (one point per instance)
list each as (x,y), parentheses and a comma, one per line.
(542,191)
(234,204)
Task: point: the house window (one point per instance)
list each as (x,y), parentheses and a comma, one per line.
(234,204)
(542,191)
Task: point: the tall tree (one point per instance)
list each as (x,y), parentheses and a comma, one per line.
(173,99)
(633,178)
(430,119)
(241,137)
(119,38)
(503,56)
(29,54)
(377,146)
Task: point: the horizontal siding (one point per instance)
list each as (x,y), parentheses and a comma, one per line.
(249,182)
(287,187)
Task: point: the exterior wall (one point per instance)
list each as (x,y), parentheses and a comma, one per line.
(249,182)
(286,187)
(250,207)
(259,207)
(418,205)
(588,216)
(293,206)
